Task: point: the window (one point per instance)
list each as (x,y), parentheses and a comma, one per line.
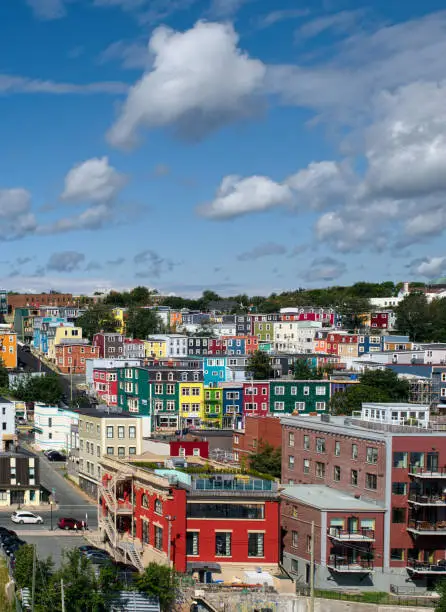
(306,442)
(308,543)
(121,432)
(159,389)
(320,390)
(320,406)
(256,544)
(223,544)
(158,506)
(98,451)
(121,451)
(320,469)
(132,432)
(280,390)
(144,501)
(399,460)
(193,543)
(306,390)
(300,406)
(371,482)
(109,431)
(337,473)
(294,566)
(354,451)
(145,532)
(279,405)
(158,538)
(290,438)
(354,478)
(398,515)
(337,449)
(290,462)
(372,454)
(399,488)
(397,554)
(306,468)
(294,539)
(294,512)
(320,445)
(226,511)
(50,422)
(417,460)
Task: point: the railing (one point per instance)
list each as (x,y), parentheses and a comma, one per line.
(433,500)
(439,472)
(421,567)
(346,564)
(130,550)
(234,485)
(427,526)
(110,530)
(359,534)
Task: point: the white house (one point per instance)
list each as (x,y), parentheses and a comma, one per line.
(53,427)
(295,336)
(7,424)
(176,344)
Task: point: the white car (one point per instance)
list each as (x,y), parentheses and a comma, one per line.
(22,516)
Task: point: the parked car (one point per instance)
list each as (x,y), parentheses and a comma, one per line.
(87,548)
(22,516)
(56,456)
(13,547)
(70,523)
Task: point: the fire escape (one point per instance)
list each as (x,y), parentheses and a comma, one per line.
(115,510)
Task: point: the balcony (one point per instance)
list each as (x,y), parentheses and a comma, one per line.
(419,567)
(347,565)
(343,535)
(223,486)
(427,500)
(419,472)
(427,527)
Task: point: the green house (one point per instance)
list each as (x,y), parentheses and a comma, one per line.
(299,396)
(213,407)
(133,390)
(264,330)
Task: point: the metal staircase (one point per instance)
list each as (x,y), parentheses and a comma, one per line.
(110,530)
(132,554)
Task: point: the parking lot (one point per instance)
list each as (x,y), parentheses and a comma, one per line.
(53,545)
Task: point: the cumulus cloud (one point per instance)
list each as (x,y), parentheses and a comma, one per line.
(47,10)
(16,218)
(151,264)
(93,180)
(130,54)
(65,261)
(92,218)
(184,90)
(10,84)
(430,267)
(325,269)
(263,250)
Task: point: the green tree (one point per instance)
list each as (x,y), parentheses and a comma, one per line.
(267,460)
(4,378)
(160,581)
(141,322)
(23,571)
(440,588)
(259,366)
(413,317)
(46,389)
(303,371)
(350,400)
(98,317)
(397,389)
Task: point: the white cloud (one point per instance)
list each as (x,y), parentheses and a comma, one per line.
(430,267)
(339,22)
(47,9)
(65,261)
(16,218)
(94,180)
(185,90)
(221,9)
(10,84)
(93,218)
(265,21)
(322,182)
(325,269)
(239,196)
(262,250)
(130,54)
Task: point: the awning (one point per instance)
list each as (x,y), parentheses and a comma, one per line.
(6,437)
(195,566)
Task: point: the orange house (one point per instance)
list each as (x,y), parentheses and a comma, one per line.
(8,343)
(175,319)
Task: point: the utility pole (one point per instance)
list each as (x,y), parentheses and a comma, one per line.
(312,569)
(33,583)
(169,519)
(62,594)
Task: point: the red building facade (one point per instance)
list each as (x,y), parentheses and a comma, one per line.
(256,398)
(70,358)
(105,384)
(216,346)
(393,476)
(189,448)
(246,441)
(379,320)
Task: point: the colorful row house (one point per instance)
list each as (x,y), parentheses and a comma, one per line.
(213,408)
(105,385)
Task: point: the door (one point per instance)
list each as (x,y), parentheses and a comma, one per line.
(432,462)
(17,497)
(352,525)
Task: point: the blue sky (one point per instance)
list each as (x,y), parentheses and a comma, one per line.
(239,145)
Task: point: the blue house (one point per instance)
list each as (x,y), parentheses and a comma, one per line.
(369,344)
(215,370)
(236,346)
(232,405)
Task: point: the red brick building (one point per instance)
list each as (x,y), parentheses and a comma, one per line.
(219,524)
(378,458)
(105,385)
(246,441)
(21,300)
(71,355)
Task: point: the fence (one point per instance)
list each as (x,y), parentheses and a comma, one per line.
(403,599)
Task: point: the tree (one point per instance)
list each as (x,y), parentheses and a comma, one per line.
(412,317)
(4,378)
(267,460)
(97,318)
(440,588)
(259,366)
(23,571)
(397,389)
(303,371)
(350,400)
(46,389)
(141,322)
(160,581)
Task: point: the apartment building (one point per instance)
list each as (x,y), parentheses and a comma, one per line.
(102,433)
(71,355)
(52,427)
(257,430)
(134,349)
(373,484)
(19,479)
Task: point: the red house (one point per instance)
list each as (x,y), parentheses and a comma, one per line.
(188,448)
(105,384)
(379,320)
(216,346)
(71,355)
(213,524)
(256,397)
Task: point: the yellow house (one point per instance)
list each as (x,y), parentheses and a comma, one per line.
(119,314)
(62,332)
(191,404)
(156,348)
